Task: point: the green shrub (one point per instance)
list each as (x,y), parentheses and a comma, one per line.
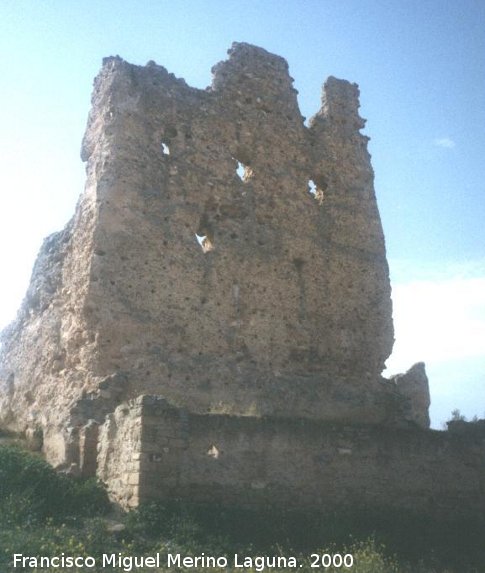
(31,490)
(87,498)
(45,513)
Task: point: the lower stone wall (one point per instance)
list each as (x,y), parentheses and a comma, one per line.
(119,447)
(288,463)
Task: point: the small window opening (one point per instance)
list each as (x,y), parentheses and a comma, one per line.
(241,171)
(213,452)
(315,191)
(204,242)
(165,149)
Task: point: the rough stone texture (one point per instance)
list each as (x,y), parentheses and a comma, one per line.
(119,452)
(250,461)
(230,258)
(269,320)
(285,309)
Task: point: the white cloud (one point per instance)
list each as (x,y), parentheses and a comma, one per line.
(438,321)
(446,142)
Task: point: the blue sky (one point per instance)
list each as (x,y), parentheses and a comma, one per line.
(421,70)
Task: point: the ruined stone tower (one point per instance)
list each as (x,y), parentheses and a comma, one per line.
(223,256)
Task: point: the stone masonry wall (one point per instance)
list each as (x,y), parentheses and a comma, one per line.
(119,452)
(295,463)
(282,310)
(285,308)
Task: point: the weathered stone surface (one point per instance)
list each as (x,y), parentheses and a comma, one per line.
(224,255)
(118,459)
(247,461)
(287,312)
(270,319)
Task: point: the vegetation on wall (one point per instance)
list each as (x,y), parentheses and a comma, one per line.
(44,513)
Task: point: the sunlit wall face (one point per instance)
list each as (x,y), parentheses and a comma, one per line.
(423,87)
